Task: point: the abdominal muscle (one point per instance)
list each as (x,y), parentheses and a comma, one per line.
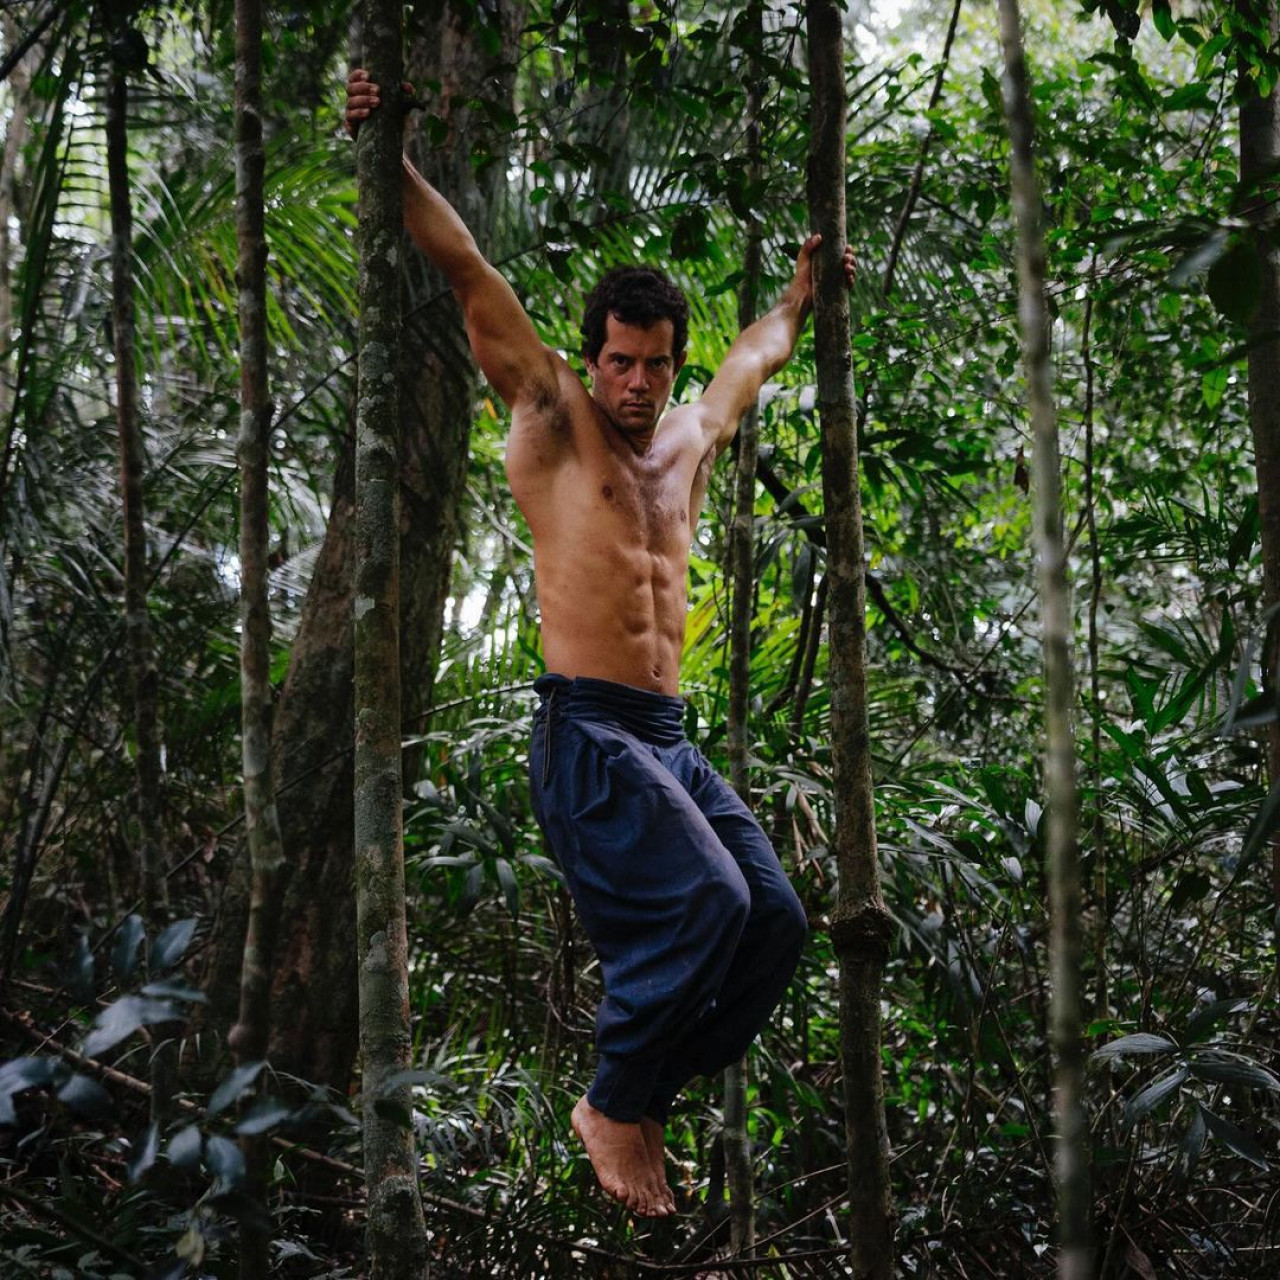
(613,614)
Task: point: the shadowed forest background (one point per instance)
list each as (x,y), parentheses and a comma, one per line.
(572,137)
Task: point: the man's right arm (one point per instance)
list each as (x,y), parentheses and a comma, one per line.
(518,365)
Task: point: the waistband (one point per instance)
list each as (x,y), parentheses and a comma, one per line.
(653,717)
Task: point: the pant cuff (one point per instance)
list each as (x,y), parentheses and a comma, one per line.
(623,1088)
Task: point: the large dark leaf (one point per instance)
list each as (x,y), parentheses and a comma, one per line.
(1234,1071)
(124,951)
(87,1098)
(263,1115)
(169,948)
(185,1147)
(1240,1143)
(1146,1100)
(19,1074)
(145,1149)
(80,972)
(229,1091)
(119,1020)
(1139,1042)
(224,1159)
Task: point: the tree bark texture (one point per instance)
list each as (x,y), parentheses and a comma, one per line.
(860,927)
(1259,161)
(1075,1257)
(396,1232)
(314,1014)
(741,566)
(250,1038)
(141,655)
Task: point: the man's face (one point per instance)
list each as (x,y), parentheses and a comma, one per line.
(631,378)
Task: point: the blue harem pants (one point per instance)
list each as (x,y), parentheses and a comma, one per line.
(694,922)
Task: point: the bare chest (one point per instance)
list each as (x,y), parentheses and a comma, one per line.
(642,506)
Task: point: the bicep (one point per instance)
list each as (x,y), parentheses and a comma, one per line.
(730,394)
(507,347)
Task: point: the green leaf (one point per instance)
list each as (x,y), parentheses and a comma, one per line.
(1162,16)
(235,1085)
(1232,1137)
(1139,1042)
(1213,386)
(510,888)
(1263,827)
(1147,1099)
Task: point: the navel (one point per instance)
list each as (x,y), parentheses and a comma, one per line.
(607,491)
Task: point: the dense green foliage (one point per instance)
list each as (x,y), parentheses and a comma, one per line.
(1151,278)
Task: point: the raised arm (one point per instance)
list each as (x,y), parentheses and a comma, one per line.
(518,365)
(760,350)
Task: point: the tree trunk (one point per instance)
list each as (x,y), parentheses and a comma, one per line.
(250,1037)
(141,657)
(314,1016)
(1259,160)
(741,565)
(396,1232)
(1075,1259)
(141,661)
(860,927)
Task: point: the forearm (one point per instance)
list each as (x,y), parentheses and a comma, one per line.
(773,337)
(435,227)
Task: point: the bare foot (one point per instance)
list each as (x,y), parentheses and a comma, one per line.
(655,1140)
(621,1161)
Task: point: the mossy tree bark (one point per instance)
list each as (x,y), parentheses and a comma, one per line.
(860,927)
(1075,1258)
(741,566)
(396,1233)
(251,1034)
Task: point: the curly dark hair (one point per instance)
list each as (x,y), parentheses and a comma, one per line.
(639,296)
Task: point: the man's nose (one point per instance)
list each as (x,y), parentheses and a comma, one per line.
(639,378)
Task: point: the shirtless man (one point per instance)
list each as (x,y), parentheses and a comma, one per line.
(697,929)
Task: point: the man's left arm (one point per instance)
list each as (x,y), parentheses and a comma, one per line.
(760,350)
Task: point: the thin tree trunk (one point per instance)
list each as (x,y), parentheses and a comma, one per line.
(141,657)
(860,927)
(250,1036)
(1075,1258)
(396,1232)
(141,654)
(741,558)
(1259,159)
(1097,824)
